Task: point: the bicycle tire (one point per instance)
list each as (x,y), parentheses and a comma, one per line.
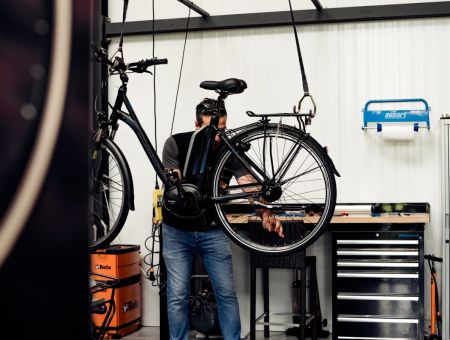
(302,227)
(101,189)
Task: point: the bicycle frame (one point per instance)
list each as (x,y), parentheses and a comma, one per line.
(132,121)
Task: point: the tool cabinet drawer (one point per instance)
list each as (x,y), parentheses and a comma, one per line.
(377,285)
(405,306)
(370,327)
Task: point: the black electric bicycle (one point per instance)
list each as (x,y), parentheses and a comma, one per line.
(291,174)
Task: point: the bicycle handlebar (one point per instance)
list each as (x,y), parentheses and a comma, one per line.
(141,66)
(118,64)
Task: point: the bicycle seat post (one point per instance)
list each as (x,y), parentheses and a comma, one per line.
(222,96)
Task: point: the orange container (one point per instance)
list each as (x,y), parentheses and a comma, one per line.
(118,261)
(127,315)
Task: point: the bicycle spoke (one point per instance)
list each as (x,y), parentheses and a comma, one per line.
(302,174)
(312,202)
(286,163)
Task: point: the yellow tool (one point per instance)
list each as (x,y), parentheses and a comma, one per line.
(157,205)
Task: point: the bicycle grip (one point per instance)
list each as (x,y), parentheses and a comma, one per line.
(432,258)
(151,62)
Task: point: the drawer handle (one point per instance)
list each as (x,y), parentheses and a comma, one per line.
(377,242)
(377,297)
(377,252)
(377,264)
(370,338)
(380,320)
(379,275)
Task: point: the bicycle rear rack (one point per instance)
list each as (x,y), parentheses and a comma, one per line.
(281,114)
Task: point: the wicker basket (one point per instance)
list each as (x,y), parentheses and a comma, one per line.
(292,232)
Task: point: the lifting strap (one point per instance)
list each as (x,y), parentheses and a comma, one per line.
(124,16)
(300,59)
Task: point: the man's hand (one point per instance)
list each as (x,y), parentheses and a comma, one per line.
(271,223)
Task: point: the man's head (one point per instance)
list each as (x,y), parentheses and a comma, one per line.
(204,112)
(206,109)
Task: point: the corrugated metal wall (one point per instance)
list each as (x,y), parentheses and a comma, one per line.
(346,64)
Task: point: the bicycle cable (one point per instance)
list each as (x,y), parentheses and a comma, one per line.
(181,70)
(153,272)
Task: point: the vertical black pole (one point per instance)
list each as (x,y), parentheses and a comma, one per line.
(99,72)
(163,320)
(302,316)
(266,301)
(252,301)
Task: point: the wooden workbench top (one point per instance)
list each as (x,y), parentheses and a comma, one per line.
(402,218)
(383,218)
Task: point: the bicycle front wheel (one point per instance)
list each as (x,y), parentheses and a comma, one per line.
(303,186)
(109,188)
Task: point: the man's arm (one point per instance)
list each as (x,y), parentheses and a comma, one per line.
(170,156)
(269,222)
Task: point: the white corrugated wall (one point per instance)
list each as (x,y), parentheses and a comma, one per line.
(346,65)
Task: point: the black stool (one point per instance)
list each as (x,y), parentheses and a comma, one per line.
(298,261)
(295,261)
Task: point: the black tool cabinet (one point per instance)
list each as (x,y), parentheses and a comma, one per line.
(378,280)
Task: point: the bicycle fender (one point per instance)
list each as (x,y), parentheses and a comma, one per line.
(330,161)
(129,196)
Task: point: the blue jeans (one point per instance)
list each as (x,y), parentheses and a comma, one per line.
(214,248)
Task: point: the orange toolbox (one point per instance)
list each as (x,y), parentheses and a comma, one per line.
(118,261)
(121,263)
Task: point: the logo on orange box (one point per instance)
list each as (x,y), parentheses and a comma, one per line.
(129,306)
(100,266)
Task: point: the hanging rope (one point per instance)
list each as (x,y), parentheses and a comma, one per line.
(181,70)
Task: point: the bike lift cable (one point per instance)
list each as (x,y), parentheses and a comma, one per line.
(154,85)
(151,275)
(181,70)
(304,80)
(124,16)
(153,270)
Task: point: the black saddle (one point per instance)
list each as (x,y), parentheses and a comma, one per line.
(230,86)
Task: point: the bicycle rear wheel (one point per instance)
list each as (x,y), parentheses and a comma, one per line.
(109,188)
(306,189)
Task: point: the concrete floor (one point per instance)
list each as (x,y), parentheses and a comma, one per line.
(152,333)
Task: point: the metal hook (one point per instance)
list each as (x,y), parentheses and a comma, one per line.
(312,113)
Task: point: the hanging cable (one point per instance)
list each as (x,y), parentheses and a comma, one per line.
(124,16)
(181,70)
(300,59)
(153,272)
(154,84)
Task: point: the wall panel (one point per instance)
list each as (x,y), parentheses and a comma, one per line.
(346,65)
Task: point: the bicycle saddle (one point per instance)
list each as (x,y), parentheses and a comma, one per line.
(231,85)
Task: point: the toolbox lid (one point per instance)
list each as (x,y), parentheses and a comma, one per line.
(119,249)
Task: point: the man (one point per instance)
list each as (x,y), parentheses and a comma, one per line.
(182,237)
